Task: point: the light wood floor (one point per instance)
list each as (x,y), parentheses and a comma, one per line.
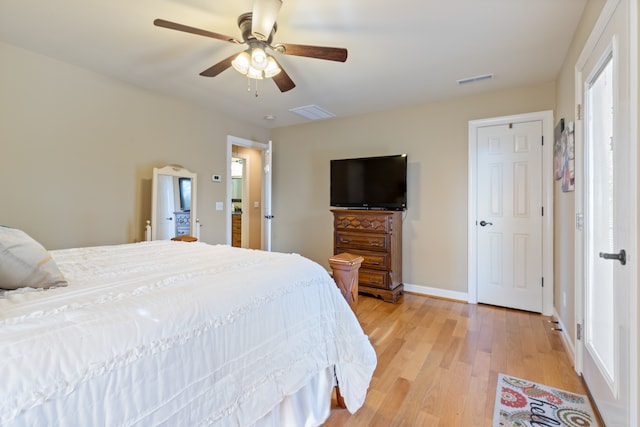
(438,361)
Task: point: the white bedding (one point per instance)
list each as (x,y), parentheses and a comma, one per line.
(176,334)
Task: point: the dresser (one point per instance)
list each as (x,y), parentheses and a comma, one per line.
(236,230)
(183,223)
(375,235)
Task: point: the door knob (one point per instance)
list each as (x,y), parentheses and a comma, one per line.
(620,256)
(483,223)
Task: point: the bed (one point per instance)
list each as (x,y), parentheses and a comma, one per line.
(179,334)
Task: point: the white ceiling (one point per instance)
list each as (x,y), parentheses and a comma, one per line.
(401,52)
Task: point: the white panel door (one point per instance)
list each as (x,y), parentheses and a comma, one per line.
(606,242)
(166,207)
(509,215)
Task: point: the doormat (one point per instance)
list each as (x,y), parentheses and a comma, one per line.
(522,403)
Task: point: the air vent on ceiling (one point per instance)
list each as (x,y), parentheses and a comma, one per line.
(475,79)
(312,112)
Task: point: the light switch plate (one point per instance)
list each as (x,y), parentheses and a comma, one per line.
(219,206)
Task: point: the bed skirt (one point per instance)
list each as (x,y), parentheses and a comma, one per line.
(309,407)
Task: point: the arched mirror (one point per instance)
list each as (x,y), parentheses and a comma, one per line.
(173,203)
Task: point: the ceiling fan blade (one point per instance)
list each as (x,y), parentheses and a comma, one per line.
(282,80)
(264,17)
(219,67)
(330,53)
(180,27)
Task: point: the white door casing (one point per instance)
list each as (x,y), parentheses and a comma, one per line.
(606,213)
(513,256)
(267,213)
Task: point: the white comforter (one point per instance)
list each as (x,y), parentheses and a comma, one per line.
(176,334)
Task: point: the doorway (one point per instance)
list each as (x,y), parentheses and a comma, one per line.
(248,193)
(606,212)
(510,227)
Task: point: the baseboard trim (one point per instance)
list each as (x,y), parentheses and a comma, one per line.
(436,292)
(565,338)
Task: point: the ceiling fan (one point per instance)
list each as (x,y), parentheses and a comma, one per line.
(258,28)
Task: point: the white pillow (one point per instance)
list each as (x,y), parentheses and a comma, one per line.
(25,262)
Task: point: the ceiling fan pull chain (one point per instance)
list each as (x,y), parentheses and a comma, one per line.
(256,88)
(248,84)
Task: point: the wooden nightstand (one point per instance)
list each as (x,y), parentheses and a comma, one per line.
(345,273)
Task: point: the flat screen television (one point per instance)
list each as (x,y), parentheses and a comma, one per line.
(369,182)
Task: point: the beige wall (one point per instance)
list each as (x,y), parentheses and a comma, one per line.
(77,151)
(434,137)
(564,203)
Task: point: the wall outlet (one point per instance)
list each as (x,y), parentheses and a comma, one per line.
(216,178)
(564,299)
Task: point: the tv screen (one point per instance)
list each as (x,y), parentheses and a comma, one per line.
(369,182)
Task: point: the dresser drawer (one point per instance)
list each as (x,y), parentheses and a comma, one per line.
(376,279)
(362,221)
(364,241)
(375,260)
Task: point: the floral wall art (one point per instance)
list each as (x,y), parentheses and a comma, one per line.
(564,155)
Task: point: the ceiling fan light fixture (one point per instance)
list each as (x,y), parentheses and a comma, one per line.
(252,73)
(259,58)
(260,69)
(242,63)
(272,68)
(258,29)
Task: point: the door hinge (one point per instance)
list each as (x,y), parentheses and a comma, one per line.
(579,112)
(579,331)
(579,221)
(542,281)
(542,140)
(542,208)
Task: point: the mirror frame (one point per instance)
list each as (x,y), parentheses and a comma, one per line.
(180,172)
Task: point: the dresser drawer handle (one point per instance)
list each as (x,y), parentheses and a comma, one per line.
(345,241)
(374,243)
